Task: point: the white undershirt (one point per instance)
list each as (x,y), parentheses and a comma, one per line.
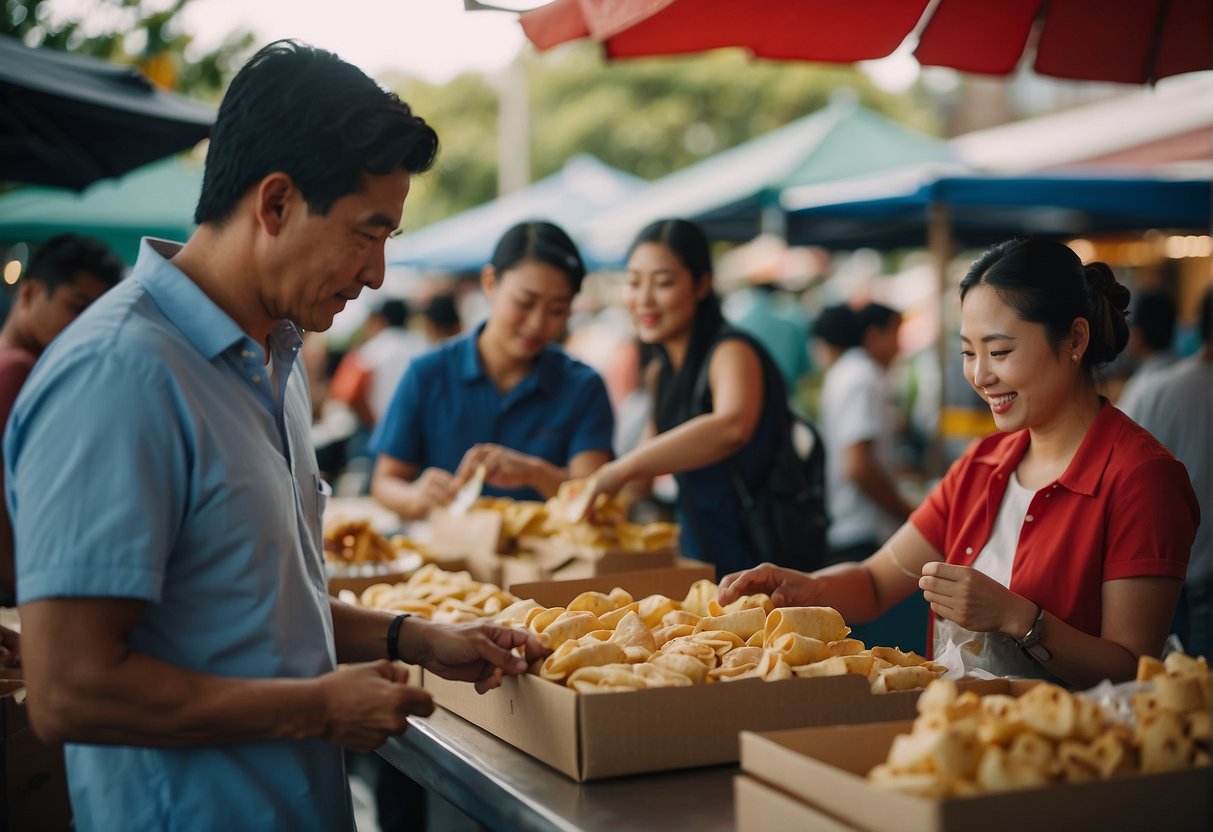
(995,652)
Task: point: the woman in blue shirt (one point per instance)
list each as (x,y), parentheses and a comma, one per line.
(500,396)
(700,435)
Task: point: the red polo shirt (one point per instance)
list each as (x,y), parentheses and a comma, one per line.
(1124,508)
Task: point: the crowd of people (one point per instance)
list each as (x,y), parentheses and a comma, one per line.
(165,498)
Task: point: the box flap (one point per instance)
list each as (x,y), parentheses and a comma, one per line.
(759,807)
(673,581)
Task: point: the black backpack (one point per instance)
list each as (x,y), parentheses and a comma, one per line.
(784,518)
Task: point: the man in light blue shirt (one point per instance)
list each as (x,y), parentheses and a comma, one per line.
(177,631)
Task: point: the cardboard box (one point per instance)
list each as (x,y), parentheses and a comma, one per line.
(826,768)
(759,807)
(478,537)
(35,782)
(592,736)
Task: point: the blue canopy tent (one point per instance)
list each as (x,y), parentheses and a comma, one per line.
(973,209)
(582,189)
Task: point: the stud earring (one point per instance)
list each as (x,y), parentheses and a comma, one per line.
(1074,357)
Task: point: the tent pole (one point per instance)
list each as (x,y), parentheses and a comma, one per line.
(940,245)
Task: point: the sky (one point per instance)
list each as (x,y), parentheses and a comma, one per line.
(433,39)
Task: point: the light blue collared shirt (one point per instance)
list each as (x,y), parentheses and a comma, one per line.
(152,456)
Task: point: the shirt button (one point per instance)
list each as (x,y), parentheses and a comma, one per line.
(1028,518)
(256,378)
(1047,496)
(968,550)
(246,353)
(1000,476)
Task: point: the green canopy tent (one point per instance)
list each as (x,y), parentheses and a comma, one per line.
(735,194)
(157,200)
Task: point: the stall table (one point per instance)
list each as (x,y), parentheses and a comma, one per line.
(504,788)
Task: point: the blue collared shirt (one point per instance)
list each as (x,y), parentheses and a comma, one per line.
(152,456)
(446,403)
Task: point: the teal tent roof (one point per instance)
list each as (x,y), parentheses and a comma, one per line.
(729,192)
(157,200)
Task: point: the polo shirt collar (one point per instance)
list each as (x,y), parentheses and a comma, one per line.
(1086,469)
(208,328)
(545,374)
(1083,474)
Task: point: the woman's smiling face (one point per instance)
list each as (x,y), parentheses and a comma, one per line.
(1010,362)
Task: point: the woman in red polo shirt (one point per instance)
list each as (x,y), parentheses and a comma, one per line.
(1057,546)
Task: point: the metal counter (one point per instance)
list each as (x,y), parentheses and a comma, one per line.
(504,788)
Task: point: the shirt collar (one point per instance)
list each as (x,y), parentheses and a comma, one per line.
(207,327)
(183,303)
(545,374)
(1083,474)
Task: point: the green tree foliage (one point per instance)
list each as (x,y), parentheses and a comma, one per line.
(145,33)
(649,117)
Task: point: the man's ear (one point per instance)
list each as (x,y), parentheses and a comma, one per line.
(29,290)
(273,201)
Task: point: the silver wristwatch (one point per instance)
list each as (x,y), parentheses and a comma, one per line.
(1030,643)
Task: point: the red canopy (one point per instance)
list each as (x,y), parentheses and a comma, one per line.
(1131,41)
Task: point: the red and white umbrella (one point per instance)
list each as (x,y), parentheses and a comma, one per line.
(1128,41)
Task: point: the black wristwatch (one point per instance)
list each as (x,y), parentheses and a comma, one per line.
(1030,643)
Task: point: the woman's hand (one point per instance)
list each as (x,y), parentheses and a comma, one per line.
(503,467)
(433,488)
(974,600)
(787,587)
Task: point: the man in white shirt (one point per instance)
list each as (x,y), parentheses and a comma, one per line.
(865,505)
(1176,405)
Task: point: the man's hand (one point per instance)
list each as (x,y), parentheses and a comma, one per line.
(367,703)
(787,587)
(974,600)
(503,467)
(476,652)
(10,647)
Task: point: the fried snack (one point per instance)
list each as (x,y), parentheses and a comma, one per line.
(681,663)
(701,593)
(846,647)
(1048,710)
(821,623)
(612,618)
(680,617)
(837,666)
(743,623)
(570,625)
(523,517)
(894,678)
(799,650)
(658,676)
(721,641)
(354,541)
(998,771)
(592,602)
(653,607)
(1148,667)
(1162,742)
(631,632)
(611,677)
(572,655)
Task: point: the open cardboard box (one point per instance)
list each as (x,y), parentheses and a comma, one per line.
(593,736)
(478,538)
(826,768)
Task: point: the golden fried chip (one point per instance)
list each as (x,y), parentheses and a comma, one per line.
(592,602)
(1148,667)
(743,623)
(798,650)
(701,593)
(1048,710)
(821,623)
(1162,742)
